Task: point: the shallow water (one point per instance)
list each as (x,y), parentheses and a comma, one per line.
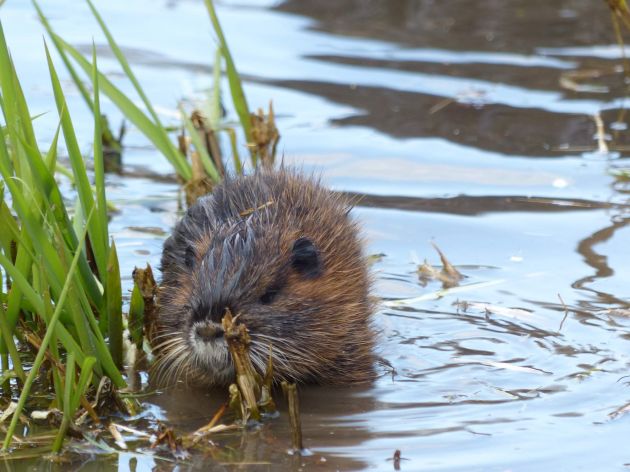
(465,125)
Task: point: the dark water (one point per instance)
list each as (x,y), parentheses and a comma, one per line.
(469,124)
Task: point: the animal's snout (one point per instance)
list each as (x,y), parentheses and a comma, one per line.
(209,331)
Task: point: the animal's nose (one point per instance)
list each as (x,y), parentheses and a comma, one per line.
(209,331)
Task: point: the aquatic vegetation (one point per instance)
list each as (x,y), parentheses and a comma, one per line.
(620,16)
(62,297)
(448,275)
(204,166)
(63,284)
(61,271)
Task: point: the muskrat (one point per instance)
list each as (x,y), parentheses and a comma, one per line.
(281,251)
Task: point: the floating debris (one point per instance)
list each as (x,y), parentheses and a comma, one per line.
(118,439)
(396,459)
(573,80)
(168,440)
(615,312)
(249,211)
(157,231)
(211,428)
(621,411)
(8,412)
(502,365)
(602,146)
(442,293)
(373,259)
(448,275)
(488,308)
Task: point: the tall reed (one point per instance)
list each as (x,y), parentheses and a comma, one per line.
(56,259)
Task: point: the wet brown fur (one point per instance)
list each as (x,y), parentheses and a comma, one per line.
(319,326)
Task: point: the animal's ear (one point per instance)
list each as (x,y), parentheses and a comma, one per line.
(189,257)
(305,258)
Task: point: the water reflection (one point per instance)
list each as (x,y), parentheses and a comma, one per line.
(491,127)
(469,25)
(600,265)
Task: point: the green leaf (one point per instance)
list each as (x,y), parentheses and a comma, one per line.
(153,132)
(84,381)
(81,181)
(101,253)
(236,88)
(125,65)
(136,316)
(113,293)
(68,385)
(42,350)
(64,57)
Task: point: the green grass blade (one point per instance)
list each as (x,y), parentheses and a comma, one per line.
(36,301)
(136,316)
(84,381)
(125,65)
(100,253)
(9,342)
(54,349)
(158,136)
(34,232)
(44,346)
(47,187)
(51,155)
(68,384)
(64,57)
(19,280)
(17,122)
(82,183)
(113,294)
(67,402)
(31,224)
(9,225)
(55,204)
(236,87)
(238,165)
(13,97)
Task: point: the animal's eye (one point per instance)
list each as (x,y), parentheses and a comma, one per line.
(305,258)
(269,296)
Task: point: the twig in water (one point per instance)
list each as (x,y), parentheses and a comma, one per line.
(602,146)
(290,391)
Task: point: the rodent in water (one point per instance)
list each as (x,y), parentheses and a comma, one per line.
(281,251)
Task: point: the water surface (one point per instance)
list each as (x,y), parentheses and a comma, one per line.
(466,124)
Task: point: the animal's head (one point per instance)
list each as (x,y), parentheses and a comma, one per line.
(282,254)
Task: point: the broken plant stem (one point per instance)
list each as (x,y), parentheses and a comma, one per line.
(290,391)
(247,379)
